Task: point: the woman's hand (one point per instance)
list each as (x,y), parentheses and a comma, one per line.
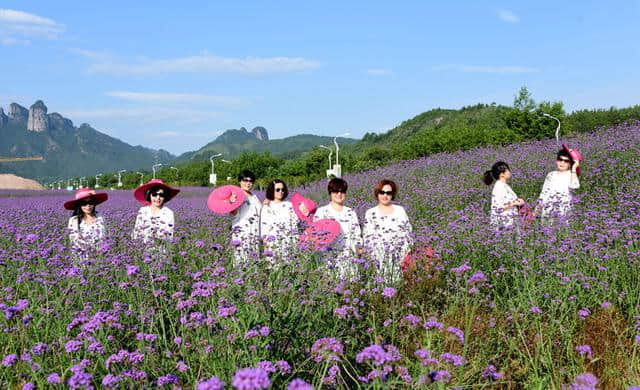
(576,165)
(519,202)
(266,202)
(232,198)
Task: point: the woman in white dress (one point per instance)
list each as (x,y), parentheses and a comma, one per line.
(155,221)
(557,190)
(504,202)
(278,222)
(86,228)
(349,242)
(387,232)
(245,226)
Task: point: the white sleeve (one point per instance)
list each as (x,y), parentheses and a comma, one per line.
(103,229)
(74,232)
(501,197)
(355,231)
(368,226)
(137,233)
(547,189)
(171,223)
(574,182)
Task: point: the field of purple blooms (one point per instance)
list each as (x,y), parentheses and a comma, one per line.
(546,308)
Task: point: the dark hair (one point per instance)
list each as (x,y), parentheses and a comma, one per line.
(271,189)
(337,185)
(381,184)
(246,173)
(494,173)
(147,194)
(77,212)
(563,153)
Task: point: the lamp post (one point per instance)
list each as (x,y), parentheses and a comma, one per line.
(120,177)
(337,169)
(177,177)
(557,129)
(98,180)
(141,176)
(154,167)
(329,171)
(212,176)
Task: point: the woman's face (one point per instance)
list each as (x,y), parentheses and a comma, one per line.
(278,191)
(88,207)
(506,175)
(563,163)
(157,197)
(246,184)
(385,195)
(338,197)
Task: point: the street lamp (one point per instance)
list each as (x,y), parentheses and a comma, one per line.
(212,176)
(141,176)
(98,180)
(120,177)
(557,129)
(337,169)
(154,167)
(330,153)
(176,169)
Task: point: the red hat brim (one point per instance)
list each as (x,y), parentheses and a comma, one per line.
(97,198)
(218,200)
(320,234)
(141,191)
(575,155)
(297,200)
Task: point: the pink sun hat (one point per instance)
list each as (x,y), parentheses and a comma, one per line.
(218,200)
(84,194)
(575,155)
(141,192)
(297,200)
(320,234)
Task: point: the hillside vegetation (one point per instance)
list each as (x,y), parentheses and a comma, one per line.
(434,131)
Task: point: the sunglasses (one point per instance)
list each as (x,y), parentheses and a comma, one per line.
(339,192)
(87,203)
(564,159)
(160,194)
(390,193)
(247,180)
(279,190)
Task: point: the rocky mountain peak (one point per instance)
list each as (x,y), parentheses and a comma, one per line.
(260,133)
(38,120)
(18,113)
(3,118)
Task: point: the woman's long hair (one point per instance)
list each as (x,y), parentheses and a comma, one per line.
(77,212)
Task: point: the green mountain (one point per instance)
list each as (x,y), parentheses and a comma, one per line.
(68,151)
(234,142)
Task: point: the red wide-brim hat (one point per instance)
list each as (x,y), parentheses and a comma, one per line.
(83,194)
(575,155)
(320,234)
(141,191)
(218,200)
(297,200)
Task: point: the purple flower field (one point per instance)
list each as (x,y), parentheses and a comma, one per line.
(551,306)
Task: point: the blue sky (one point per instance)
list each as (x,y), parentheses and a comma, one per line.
(174,75)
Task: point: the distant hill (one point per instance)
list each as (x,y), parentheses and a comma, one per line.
(68,151)
(234,142)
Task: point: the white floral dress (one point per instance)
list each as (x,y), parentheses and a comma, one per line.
(245,230)
(279,229)
(343,249)
(556,194)
(388,239)
(150,227)
(86,237)
(501,216)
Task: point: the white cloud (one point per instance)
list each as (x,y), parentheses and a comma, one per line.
(10,41)
(92,54)
(142,115)
(379,72)
(205,63)
(497,69)
(177,98)
(15,26)
(507,16)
